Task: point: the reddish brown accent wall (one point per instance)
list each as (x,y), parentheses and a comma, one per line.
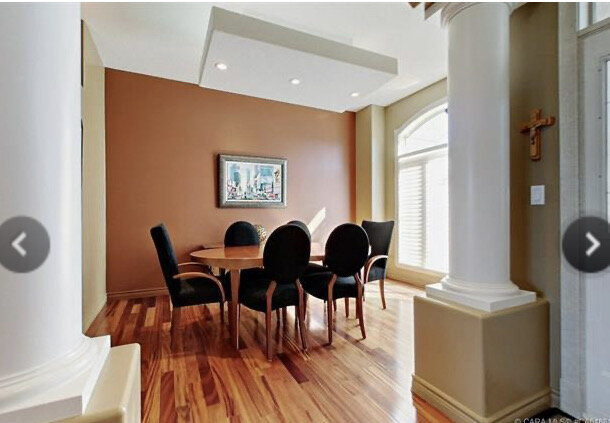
(162,140)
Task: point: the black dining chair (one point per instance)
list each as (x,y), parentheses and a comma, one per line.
(240,234)
(311,267)
(346,253)
(285,258)
(186,288)
(380,237)
(301,225)
(243,234)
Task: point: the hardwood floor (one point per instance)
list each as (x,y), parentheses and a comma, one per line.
(199,377)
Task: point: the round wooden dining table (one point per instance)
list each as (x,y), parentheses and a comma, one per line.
(235,259)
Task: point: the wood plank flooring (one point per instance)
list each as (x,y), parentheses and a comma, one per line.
(199,377)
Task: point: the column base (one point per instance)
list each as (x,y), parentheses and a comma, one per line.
(57,390)
(116,398)
(483,302)
(482,367)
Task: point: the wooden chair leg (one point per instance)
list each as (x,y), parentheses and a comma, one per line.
(268,333)
(346,307)
(381,284)
(222,312)
(300,316)
(175,327)
(329,312)
(302,329)
(335,305)
(305,300)
(360,311)
(277,316)
(285,316)
(268,313)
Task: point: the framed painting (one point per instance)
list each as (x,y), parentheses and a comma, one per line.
(252,182)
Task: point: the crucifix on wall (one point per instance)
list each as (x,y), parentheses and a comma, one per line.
(534,129)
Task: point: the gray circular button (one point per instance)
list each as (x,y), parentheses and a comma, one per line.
(24,244)
(586,244)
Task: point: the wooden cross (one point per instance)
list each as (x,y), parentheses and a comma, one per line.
(534,128)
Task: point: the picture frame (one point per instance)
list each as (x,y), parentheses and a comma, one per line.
(252,182)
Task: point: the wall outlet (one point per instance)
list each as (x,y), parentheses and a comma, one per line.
(537,195)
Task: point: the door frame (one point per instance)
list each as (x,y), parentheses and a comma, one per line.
(571,397)
(573,382)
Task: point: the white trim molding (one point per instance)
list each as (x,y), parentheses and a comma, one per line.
(451,10)
(571,394)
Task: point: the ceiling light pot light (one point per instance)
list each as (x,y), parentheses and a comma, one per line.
(295,81)
(355,94)
(221,66)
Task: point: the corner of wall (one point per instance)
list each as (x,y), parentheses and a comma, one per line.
(370,163)
(93,180)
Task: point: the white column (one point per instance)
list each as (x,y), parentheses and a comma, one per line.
(48,369)
(479,202)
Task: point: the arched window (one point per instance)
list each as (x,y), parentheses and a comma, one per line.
(422,191)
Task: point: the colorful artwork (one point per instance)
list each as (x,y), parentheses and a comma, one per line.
(252,181)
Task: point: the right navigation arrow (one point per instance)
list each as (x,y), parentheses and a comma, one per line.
(594,244)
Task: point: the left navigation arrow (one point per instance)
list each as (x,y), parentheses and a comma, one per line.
(24,244)
(16,244)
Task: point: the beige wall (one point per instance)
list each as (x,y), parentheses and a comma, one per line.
(396,115)
(535,230)
(94,182)
(162,142)
(370,164)
(364,128)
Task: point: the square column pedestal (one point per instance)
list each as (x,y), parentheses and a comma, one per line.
(116,397)
(476,366)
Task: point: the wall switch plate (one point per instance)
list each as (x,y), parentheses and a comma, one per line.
(537,195)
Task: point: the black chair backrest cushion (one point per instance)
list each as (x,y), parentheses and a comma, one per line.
(380,236)
(347,249)
(165,252)
(301,225)
(286,254)
(241,234)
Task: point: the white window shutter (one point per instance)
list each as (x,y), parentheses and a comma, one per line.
(423,196)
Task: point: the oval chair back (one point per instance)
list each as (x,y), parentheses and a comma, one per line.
(166,255)
(240,234)
(301,225)
(347,249)
(286,254)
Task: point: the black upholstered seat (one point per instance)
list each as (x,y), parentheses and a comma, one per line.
(380,237)
(376,273)
(199,291)
(345,254)
(285,258)
(187,288)
(316,284)
(254,296)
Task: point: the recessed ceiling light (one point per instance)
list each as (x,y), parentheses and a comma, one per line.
(221,66)
(295,81)
(355,94)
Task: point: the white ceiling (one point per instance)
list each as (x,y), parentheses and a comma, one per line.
(167,40)
(263,59)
